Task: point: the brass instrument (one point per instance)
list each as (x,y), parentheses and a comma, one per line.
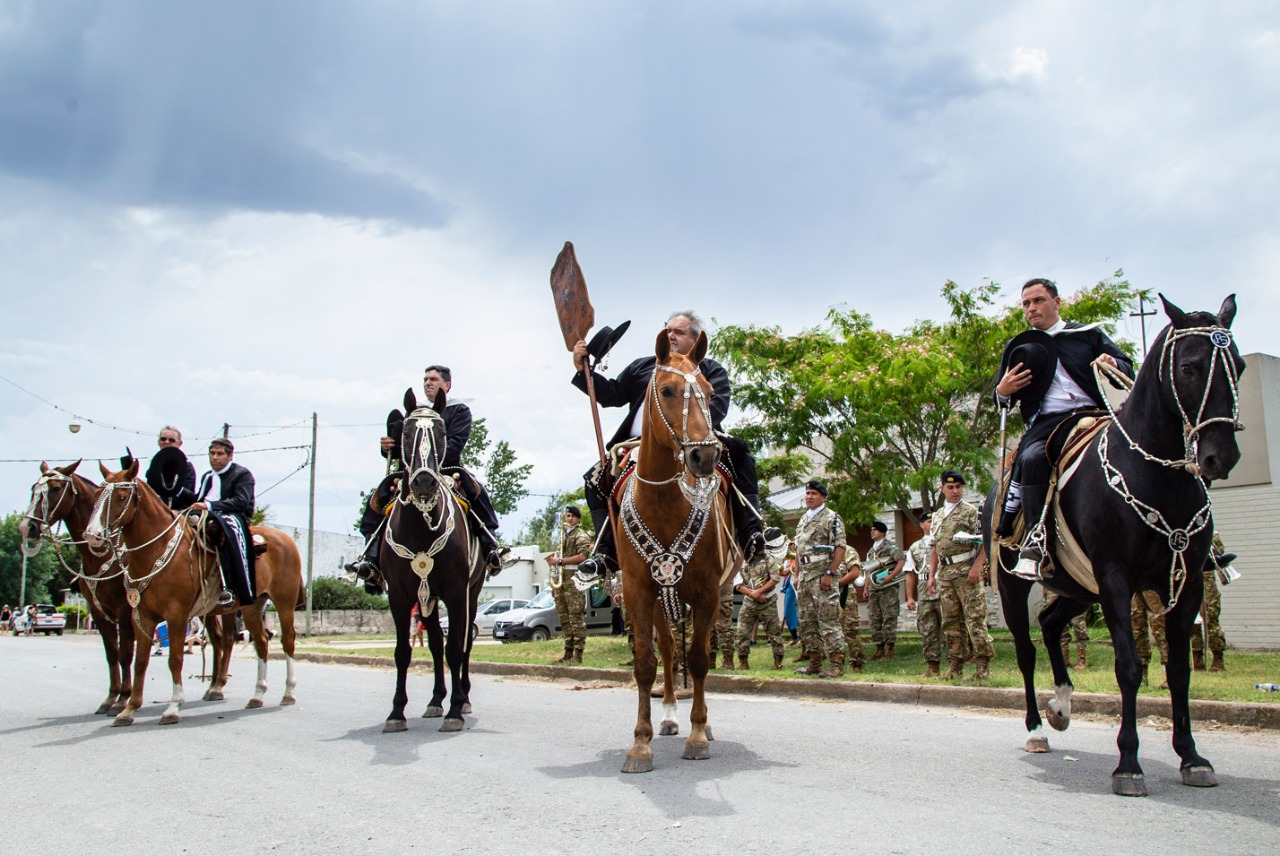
(555,573)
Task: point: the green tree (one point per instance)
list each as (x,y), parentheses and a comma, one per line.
(542,528)
(884,413)
(41,568)
(502,475)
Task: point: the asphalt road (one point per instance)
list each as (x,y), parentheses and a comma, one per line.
(537,771)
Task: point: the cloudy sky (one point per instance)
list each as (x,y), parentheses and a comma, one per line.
(245,212)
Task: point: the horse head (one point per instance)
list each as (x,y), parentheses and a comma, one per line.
(678,413)
(1199,371)
(422,445)
(52,498)
(116,506)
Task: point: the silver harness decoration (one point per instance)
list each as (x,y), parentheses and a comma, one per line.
(1179,539)
(667,564)
(41,499)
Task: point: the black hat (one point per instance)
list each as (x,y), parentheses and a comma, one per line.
(164,475)
(878,526)
(602,342)
(573,509)
(818,486)
(1037,351)
(952,477)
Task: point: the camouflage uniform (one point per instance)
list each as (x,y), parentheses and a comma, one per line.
(571,604)
(756,574)
(851,624)
(1145,610)
(819,610)
(883,605)
(722,631)
(928,606)
(961,611)
(1210,613)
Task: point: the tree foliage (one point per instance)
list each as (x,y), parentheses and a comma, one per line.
(46,578)
(331,593)
(543,528)
(501,474)
(881,413)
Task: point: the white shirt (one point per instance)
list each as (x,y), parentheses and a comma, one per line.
(1064,393)
(947,508)
(813,512)
(206,484)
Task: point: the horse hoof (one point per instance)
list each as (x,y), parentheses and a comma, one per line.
(1038,744)
(706,730)
(116,709)
(435,711)
(1056,721)
(466,707)
(213,695)
(288,700)
(169,719)
(638,764)
(1129,784)
(453,724)
(254,704)
(393,725)
(1199,777)
(696,752)
(121,721)
(668,728)
(105,707)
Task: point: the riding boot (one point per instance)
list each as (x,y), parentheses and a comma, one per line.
(1082,662)
(1033,499)
(568,652)
(888,652)
(956,670)
(1197,660)
(815,664)
(493,552)
(1218,664)
(879,654)
(743,665)
(604,560)
(931,669)
(984,672)
(777,662)
(366,569)
(835,669)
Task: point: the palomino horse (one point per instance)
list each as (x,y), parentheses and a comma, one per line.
(430,556)
(678,547)
(170,575)
(1138,509)
(59,495)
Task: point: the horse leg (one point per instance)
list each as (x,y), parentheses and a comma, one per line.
(435,644)
(253,623)
(640,757)
(221,630)
(176,650)
(1014,592)
(125,643)
(111,648)
(1179,625)
(1127,778)
(141,657)
(400,607)
(288,639)
(1053,621)
(669,726)
(697,746)
(454,649)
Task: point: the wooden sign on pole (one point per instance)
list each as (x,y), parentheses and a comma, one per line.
(569,290)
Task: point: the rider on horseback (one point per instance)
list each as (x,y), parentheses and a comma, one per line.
(457,421)
(629,390)
(1047,370)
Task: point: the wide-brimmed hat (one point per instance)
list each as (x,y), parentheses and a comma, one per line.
(168,466)
(1037,351)
(603,341)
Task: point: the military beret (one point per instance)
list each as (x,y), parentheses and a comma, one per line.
(952,477)
(818,486)
(573,509)
(878,526)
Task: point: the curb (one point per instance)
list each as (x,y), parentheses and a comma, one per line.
(927,695)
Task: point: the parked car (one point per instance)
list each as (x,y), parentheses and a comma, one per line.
(539,620)
(486,614)
(48,620)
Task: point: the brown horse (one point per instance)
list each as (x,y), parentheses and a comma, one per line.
(678,546)
(171,575)
(59,495)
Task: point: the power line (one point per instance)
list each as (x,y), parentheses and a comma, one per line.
(76,415)
(136,457)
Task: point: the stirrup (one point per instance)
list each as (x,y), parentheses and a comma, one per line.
(226,598)
(1028,566)
(589,573)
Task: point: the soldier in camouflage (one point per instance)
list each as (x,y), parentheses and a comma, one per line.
(761,579)
(722,632)
(883,603)
(955,570)
(571,604)
(927,606)
(850,616)
(1145,611)
(820,549)
(1210,614)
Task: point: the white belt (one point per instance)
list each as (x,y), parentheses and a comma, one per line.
(955,560)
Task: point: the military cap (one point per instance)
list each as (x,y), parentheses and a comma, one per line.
(818,486)
(878,526)
(952,477)
(573,509)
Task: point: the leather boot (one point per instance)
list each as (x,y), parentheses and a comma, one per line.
(577,654)
(956,670)
(879,654)
(1218,665)
(568,652)
(777,661)
(1197,660)
(743,665)
(835,667)
(854,660)
(888,651)
(930,669)
(1082,661)
(815,664)
(727,658)
(983,673)
(801,657)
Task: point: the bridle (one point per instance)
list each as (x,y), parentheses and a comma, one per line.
(40,497)
(700,492)
(439,505)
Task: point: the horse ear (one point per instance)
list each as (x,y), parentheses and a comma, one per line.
(70,468)
(410,401)
(105,472)
(662,347)
(132,472)
(44,468)
(1176,315)
(699,348)
(441,399)
(1227,313)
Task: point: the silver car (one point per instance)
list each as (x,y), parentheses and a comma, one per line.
(486,614)
(539,620)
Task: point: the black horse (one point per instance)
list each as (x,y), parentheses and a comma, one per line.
(430,556)
(1138,506)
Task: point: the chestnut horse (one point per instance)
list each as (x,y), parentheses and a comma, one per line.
(59,495)
(678,547)
(171,575)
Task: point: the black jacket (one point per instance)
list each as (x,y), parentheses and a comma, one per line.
(1076,350)
(237,494)
(629,388)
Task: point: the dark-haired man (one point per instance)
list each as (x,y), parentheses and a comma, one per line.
(233,486)
(1065,386)
(571,604)
(883,567)
(820,550)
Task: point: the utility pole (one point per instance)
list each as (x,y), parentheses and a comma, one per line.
(226,429)
(311,526)
(1142,316)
